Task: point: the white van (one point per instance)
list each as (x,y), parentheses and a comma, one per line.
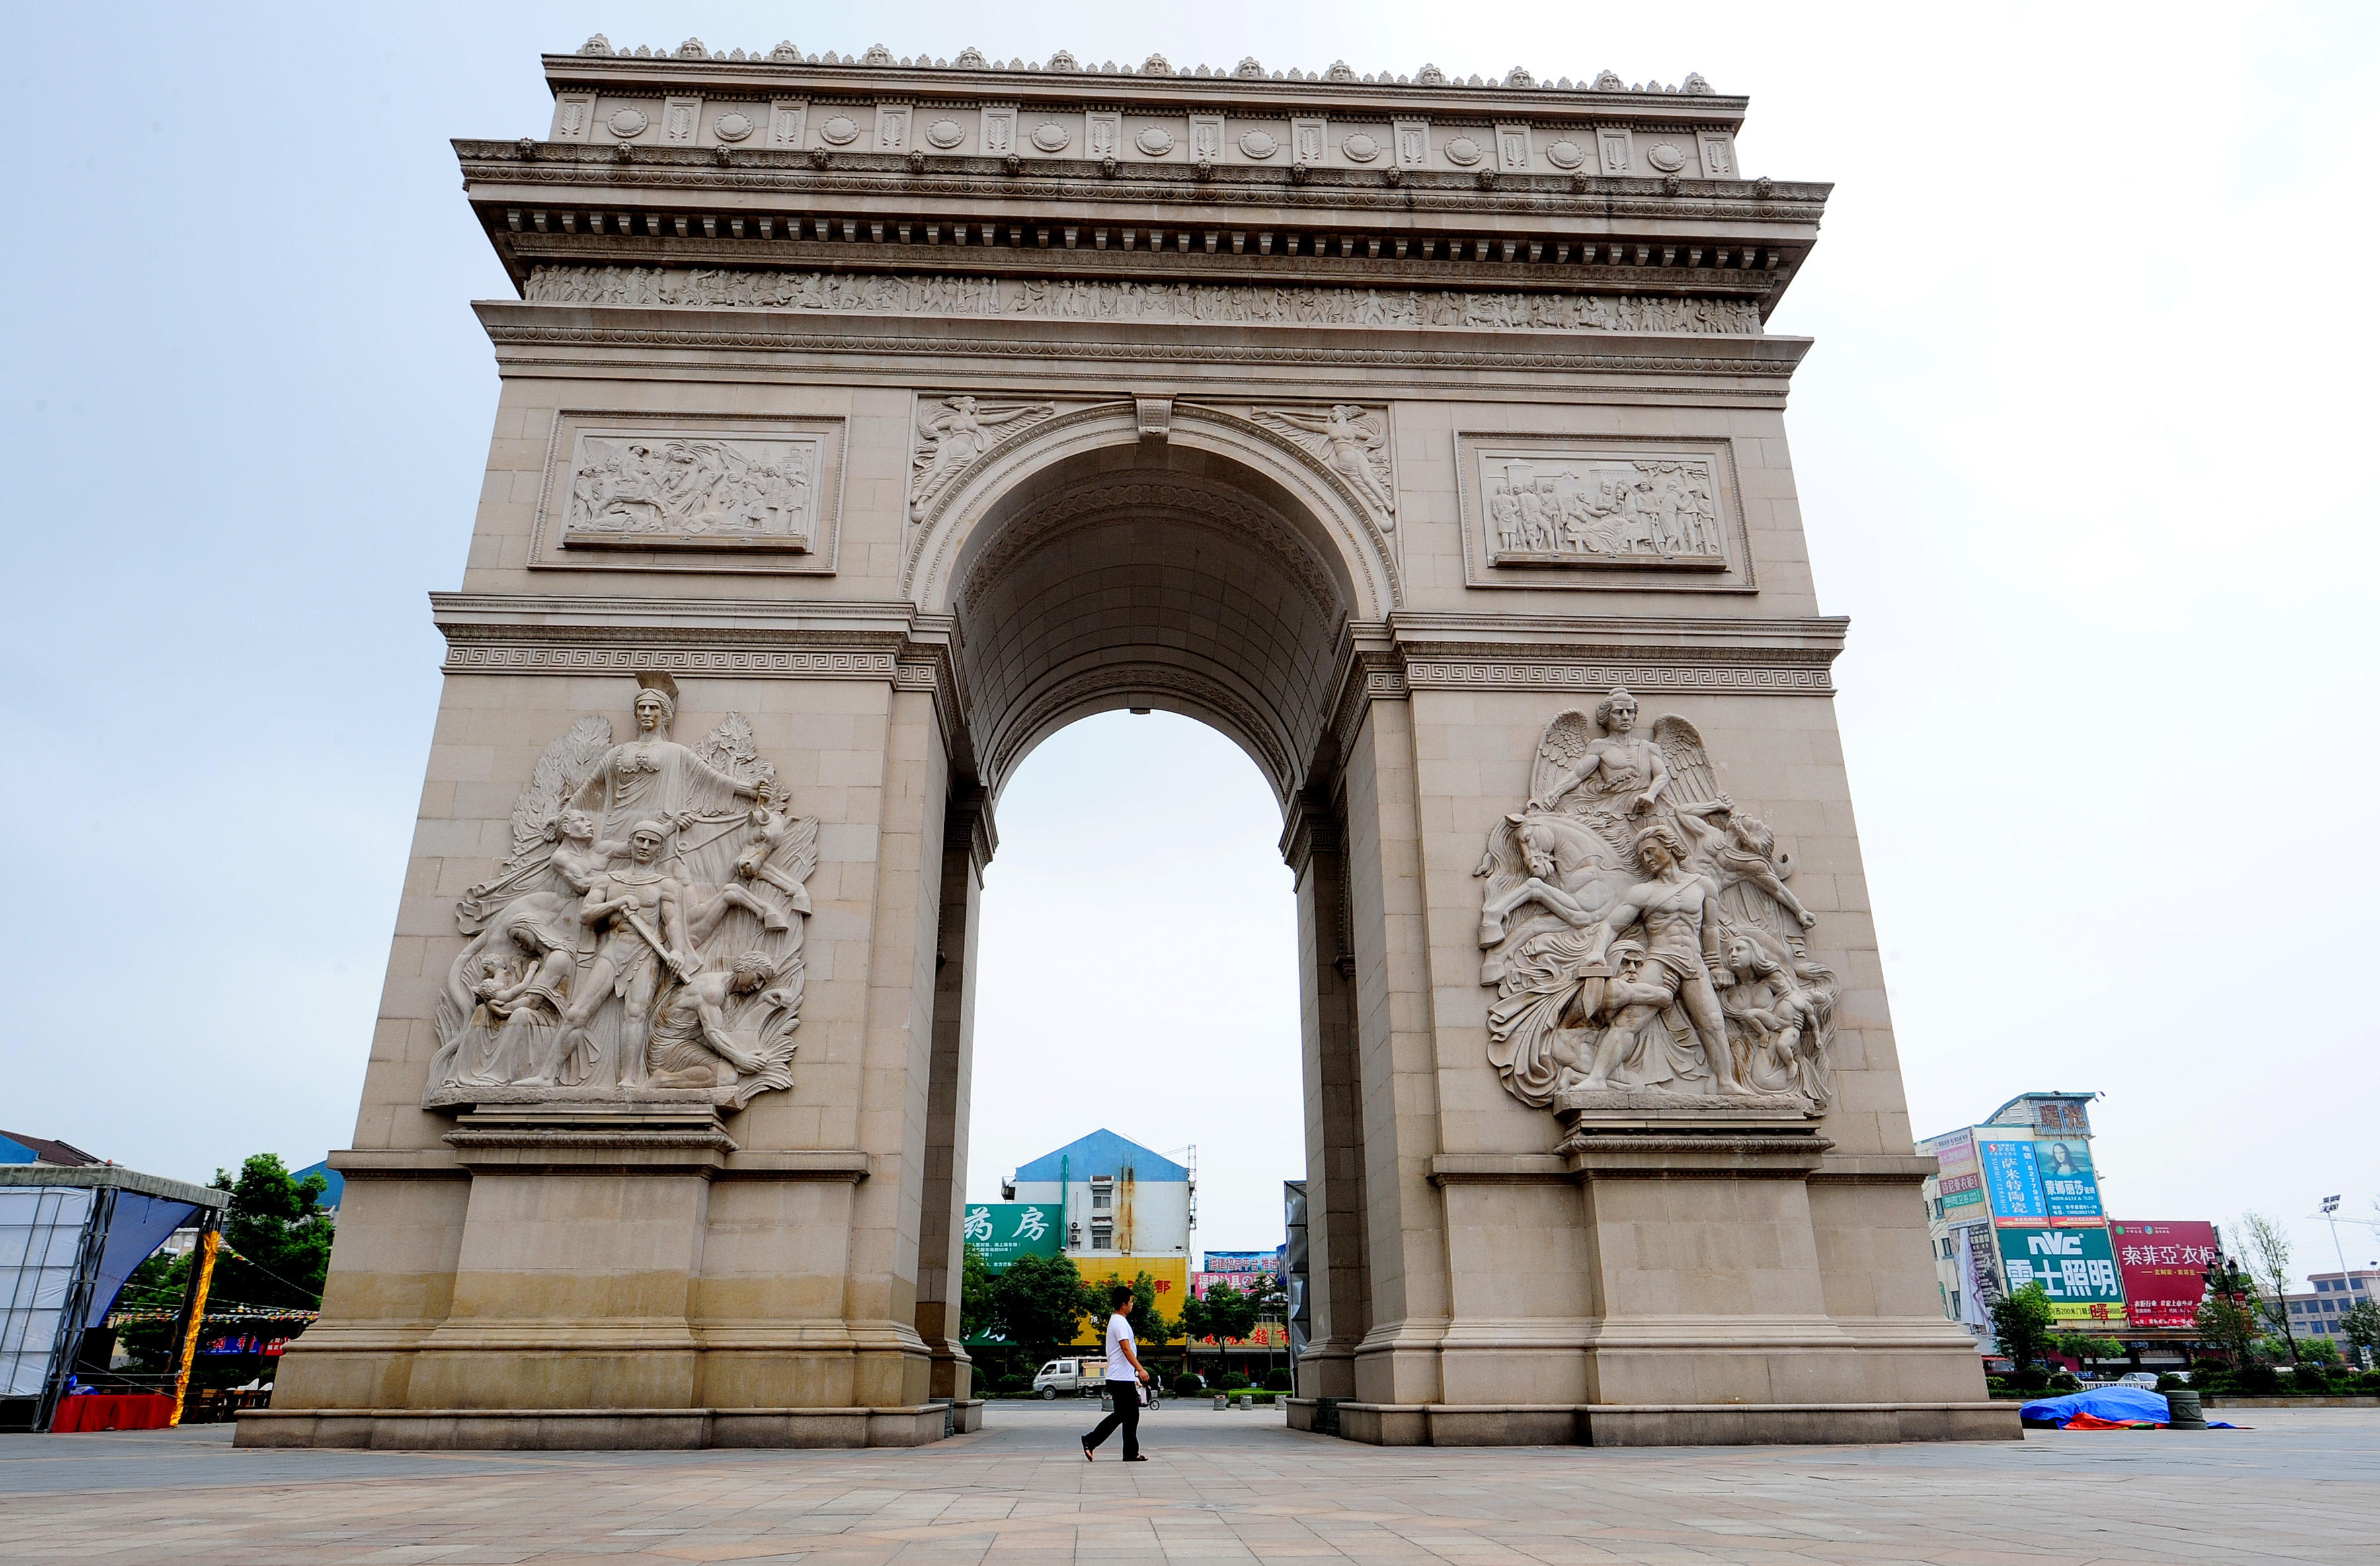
(1071,1377)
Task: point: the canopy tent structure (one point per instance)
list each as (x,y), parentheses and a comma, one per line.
(69,1237)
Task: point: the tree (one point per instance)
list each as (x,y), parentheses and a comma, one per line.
(277,1249)
(2318,1351)
(2361,1326)
(979,1315)
(2021,1320)
(1223,1313)
(1038,1302)
(1152,1326)
(2226,1321)
(2265,1245)
(2079,1346)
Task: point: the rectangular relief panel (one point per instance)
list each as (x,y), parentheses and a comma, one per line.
(690,493)
(1590,511)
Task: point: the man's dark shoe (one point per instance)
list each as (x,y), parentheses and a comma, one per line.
(1136,1459)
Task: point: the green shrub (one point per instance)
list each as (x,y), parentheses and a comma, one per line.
(1996,1385)
(1262,1400)
(2065,1381)
(1189,1386)
(1232,1381)
(1014,1386)
(1279,1381)
(2169,1383)
(2031,1378)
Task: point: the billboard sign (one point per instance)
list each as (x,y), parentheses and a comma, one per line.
(2164,1268)
(2068,1182)
(1244,1261)
(1960,1184)
(2076,1266)
(2013,1179)
(1002,1231)
(1168,1275)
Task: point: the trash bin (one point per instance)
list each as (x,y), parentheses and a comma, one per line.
(2183,1411)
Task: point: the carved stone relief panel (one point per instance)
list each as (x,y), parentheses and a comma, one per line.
(1512,147)
(670,493)
(1207,138)
(1569,511)
(1102,133)
(786,117)
(1309,139)
(999,129)
(953,431)
(1413,143)
(1350,441)
(1131,299)
(680,118)
(574,114)
(1718,156)
(892,128)
(1617,149)
(643,940)
(1648,951)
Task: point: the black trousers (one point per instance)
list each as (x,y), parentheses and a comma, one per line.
(1125,1395)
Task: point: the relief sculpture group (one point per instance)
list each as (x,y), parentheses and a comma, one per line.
(1637,926)
(645,936)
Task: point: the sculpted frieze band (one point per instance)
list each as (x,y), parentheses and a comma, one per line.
(1039,298)
(645,936)
(1645,946)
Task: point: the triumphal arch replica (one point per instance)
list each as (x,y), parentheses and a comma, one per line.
(864,422)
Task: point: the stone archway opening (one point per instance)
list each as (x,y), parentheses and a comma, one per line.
(1183,585)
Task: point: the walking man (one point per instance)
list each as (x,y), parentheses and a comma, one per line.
(1124,1377)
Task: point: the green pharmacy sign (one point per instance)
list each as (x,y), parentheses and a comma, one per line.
(1001,1231)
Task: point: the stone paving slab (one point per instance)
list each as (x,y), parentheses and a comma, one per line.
(2304,1485)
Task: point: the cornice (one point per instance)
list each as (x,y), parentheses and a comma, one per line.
(491,167)
(1425,633)
(1230,345)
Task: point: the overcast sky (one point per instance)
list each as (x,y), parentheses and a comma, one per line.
(2083,450)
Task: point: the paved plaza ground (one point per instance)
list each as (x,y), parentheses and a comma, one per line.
(2303,1486)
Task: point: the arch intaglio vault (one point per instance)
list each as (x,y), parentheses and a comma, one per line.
(865,422)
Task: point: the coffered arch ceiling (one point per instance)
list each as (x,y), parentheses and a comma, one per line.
(1180,587)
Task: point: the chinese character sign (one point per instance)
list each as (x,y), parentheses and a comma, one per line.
(2076,1268)
(2066,1182)
(1244,1261)
(2014,1180)
(2164,1268)
(1960,1185)
(1002,1231)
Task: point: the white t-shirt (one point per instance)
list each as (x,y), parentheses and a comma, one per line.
(1119,1334)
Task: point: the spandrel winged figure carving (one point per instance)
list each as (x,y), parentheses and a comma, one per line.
(646,934)
(1638,930)
(952,436)
(1350,442)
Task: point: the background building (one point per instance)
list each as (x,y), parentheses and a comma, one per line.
(2016,1202)
(2316,1313)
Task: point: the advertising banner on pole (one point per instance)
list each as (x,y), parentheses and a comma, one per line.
(2164,1268)
(2068,1182)
(2076,1266)
(1002,1231)
(2013,1179)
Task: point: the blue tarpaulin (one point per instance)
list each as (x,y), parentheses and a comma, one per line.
(2111,1404)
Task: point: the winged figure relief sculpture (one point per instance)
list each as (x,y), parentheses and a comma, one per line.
(952,436)
(1637,926)
(644,938)
(1349,440)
